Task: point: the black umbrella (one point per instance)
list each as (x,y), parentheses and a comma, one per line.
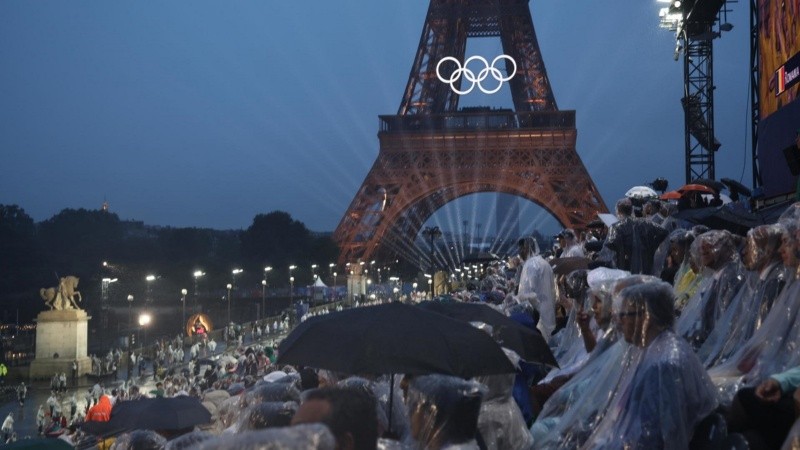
(158,413)
(393,338)
(563,266)
(735,186)
(528,344)
(596,223)
(713,184)
(735,221)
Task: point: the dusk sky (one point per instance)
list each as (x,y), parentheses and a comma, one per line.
(205,113)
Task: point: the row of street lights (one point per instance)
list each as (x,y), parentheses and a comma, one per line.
(230,286)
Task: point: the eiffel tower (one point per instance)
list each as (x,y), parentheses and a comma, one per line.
(432,153)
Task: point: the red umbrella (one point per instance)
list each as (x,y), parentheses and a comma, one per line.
(671,195)
(696,188)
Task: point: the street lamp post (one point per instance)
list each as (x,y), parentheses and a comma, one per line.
(229,286)
(263,294)
(197,274)
(144,321)
(265,283)
(433,234)
(183,307)
(235,272)
(314,282)
(130,304)
(335,297)
(149,279)
(291,283)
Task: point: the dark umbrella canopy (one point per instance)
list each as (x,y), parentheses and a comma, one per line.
(735,186)
(528,344)
(393,338)
(738,222)
(175,413)
(694,187)
(713,184)
(563,266)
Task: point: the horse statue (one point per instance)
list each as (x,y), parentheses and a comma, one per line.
(49,297)
(68,290)
(62,297)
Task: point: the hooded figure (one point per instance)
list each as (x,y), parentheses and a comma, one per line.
(8,427)
(40,419)
(765,280)
(101,412)
(500,421)
(771,349)
(570,348)
(537,285)
(443,412)
(688,276)
(668,391)
(724,276)
(634,241)
(572,246)
(570,415)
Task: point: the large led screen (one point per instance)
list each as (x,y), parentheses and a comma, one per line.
(779,86)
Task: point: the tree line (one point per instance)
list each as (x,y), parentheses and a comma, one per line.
(79,241)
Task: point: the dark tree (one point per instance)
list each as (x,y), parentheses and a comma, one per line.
(275,239)
(20,254)
(78,241)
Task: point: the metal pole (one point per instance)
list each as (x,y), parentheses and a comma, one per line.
(263,295)
(229,303)
(183,308)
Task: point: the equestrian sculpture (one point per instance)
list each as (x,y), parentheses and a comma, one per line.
(63,296)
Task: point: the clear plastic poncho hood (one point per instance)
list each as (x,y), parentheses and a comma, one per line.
(724,275)
(443,410)
(298,437)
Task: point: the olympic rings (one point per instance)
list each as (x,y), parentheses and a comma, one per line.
(470,75)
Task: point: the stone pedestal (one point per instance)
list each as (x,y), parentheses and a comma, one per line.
(61,338)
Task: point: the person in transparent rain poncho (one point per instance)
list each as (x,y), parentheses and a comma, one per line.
(537,285)
(570,346)
(500,422)
(572,245)
(634,241)
(443,412)
(380,390)
(299,437)
(765,279)
(349,413)
(590,322)
(570,414)
(662,263)
(724,275)
(688,276)
(775,346)
(667,392)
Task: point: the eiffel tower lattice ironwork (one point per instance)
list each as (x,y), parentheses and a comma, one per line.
(432,153)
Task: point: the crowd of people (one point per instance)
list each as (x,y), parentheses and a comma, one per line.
(667,336)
